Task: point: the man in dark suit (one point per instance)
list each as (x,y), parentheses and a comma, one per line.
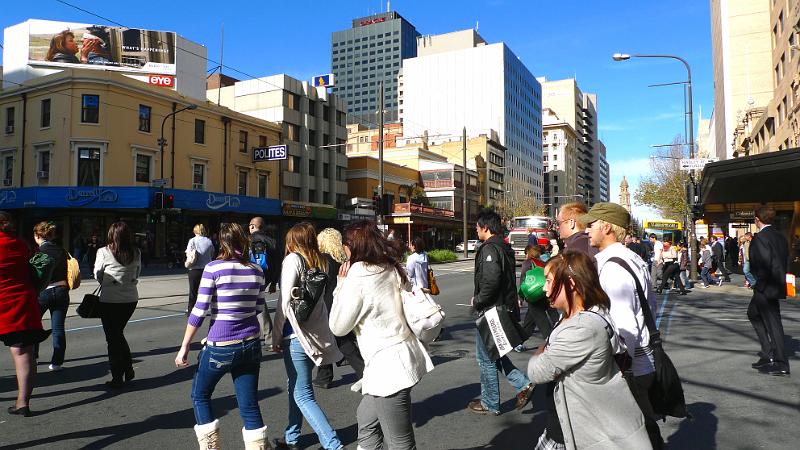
(769,255)
(718,254)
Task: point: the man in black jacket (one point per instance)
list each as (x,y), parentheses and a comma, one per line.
(495,285)
(769,255)
(260,239)
(718,254)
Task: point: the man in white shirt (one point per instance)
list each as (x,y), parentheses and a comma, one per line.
(608,223)
(657,260)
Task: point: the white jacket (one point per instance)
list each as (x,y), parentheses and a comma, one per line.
(119,282)
(368,302)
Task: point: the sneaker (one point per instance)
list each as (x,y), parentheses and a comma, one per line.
(55,367)
(520,348)
(704,286)
(719,283)
(356,387)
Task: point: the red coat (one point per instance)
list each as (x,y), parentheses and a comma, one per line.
(19,307)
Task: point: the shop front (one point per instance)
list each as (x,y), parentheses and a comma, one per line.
(733,189)
(438,227)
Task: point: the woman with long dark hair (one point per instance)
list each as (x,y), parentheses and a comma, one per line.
(304,344)
(20,320)
(368,302)
(595,406)
(117,268)
(232,288)
(55,297)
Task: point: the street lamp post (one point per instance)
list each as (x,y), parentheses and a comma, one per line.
(161,143)
(688,217)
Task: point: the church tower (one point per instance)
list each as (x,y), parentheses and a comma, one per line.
(624,195)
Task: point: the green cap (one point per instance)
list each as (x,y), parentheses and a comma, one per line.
(608,212)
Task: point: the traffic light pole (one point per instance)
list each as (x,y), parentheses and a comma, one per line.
(380,159)
(464,182)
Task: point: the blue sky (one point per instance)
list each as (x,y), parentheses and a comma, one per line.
(567,38)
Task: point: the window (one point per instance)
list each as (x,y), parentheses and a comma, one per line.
(293,101)
(326,197)
(312,137)
(312,195)
(242,141)
(294,164)
(90,108)
(44,162)
(262,141)
(9,120)
(263,182)
(8,169)
(88,166)
(198,176)
(312,167)
(144,118)
(199,131)
(341,173)
(325,170)
(292,132)
(312,105)
(242,182)
(45,116)
(143,168)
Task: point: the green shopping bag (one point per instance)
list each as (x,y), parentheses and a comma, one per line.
(532,287)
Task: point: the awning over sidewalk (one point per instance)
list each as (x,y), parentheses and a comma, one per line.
(769,177)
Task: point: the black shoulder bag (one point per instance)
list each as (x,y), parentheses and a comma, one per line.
(666,393)
(305,297)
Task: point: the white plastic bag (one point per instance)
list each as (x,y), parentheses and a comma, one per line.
(424,316)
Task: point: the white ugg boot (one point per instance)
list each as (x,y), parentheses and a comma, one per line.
(208,435)
(256,439)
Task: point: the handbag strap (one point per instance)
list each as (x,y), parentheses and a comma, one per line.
(655,335)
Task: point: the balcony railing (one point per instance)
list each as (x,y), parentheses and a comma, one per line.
(413,208)
(447,184)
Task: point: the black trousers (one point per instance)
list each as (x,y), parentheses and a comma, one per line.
(671,271)
(640,388)
(195,275)
(349,348)
(114,317)
(537,316)
(765,316)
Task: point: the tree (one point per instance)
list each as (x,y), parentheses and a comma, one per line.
(416,194)
(518,203)
(665,188)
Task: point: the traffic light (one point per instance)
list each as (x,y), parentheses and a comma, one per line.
(376,204)
(697,211)
(158,200)
(169,201)
(386,205)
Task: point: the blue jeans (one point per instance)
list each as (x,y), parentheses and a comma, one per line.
(301,398)
(56,300)
(243,361)
(707,277)
(490,381)
(747,274)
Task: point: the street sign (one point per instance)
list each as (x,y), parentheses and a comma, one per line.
(271,153)
(399,220)
(696,163)
(323,80)
(159,182)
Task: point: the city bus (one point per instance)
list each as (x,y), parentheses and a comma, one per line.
(665,230)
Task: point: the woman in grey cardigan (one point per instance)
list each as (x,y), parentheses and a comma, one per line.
(117,270)
(595,406)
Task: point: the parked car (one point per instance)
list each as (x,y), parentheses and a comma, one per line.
(472,245)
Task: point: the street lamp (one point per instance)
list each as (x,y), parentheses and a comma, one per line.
(689,219)
(162,141)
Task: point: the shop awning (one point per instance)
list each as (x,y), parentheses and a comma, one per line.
(769,177)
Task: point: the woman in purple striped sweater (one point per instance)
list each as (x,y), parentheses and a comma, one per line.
(232,288)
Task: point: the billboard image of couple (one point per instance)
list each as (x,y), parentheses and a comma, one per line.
(65,44)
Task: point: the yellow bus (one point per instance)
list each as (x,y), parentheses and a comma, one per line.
(665,230)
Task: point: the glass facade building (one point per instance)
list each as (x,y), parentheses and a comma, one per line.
(371,51)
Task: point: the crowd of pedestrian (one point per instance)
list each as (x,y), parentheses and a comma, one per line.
(342,300)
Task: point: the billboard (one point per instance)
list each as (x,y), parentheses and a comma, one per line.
(66,44)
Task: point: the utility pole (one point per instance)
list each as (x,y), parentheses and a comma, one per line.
(464,182)
(380,157)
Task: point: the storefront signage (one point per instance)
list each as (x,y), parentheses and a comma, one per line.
(399,220)
(217,201)
(743,215)
(8,197)
(271,153)
(83,197)
(296,210)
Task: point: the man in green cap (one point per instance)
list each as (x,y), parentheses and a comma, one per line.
(607,225)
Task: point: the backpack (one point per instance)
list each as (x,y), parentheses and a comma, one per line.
(258,255)
(304,298)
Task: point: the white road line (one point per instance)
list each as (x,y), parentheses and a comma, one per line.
(462,304)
